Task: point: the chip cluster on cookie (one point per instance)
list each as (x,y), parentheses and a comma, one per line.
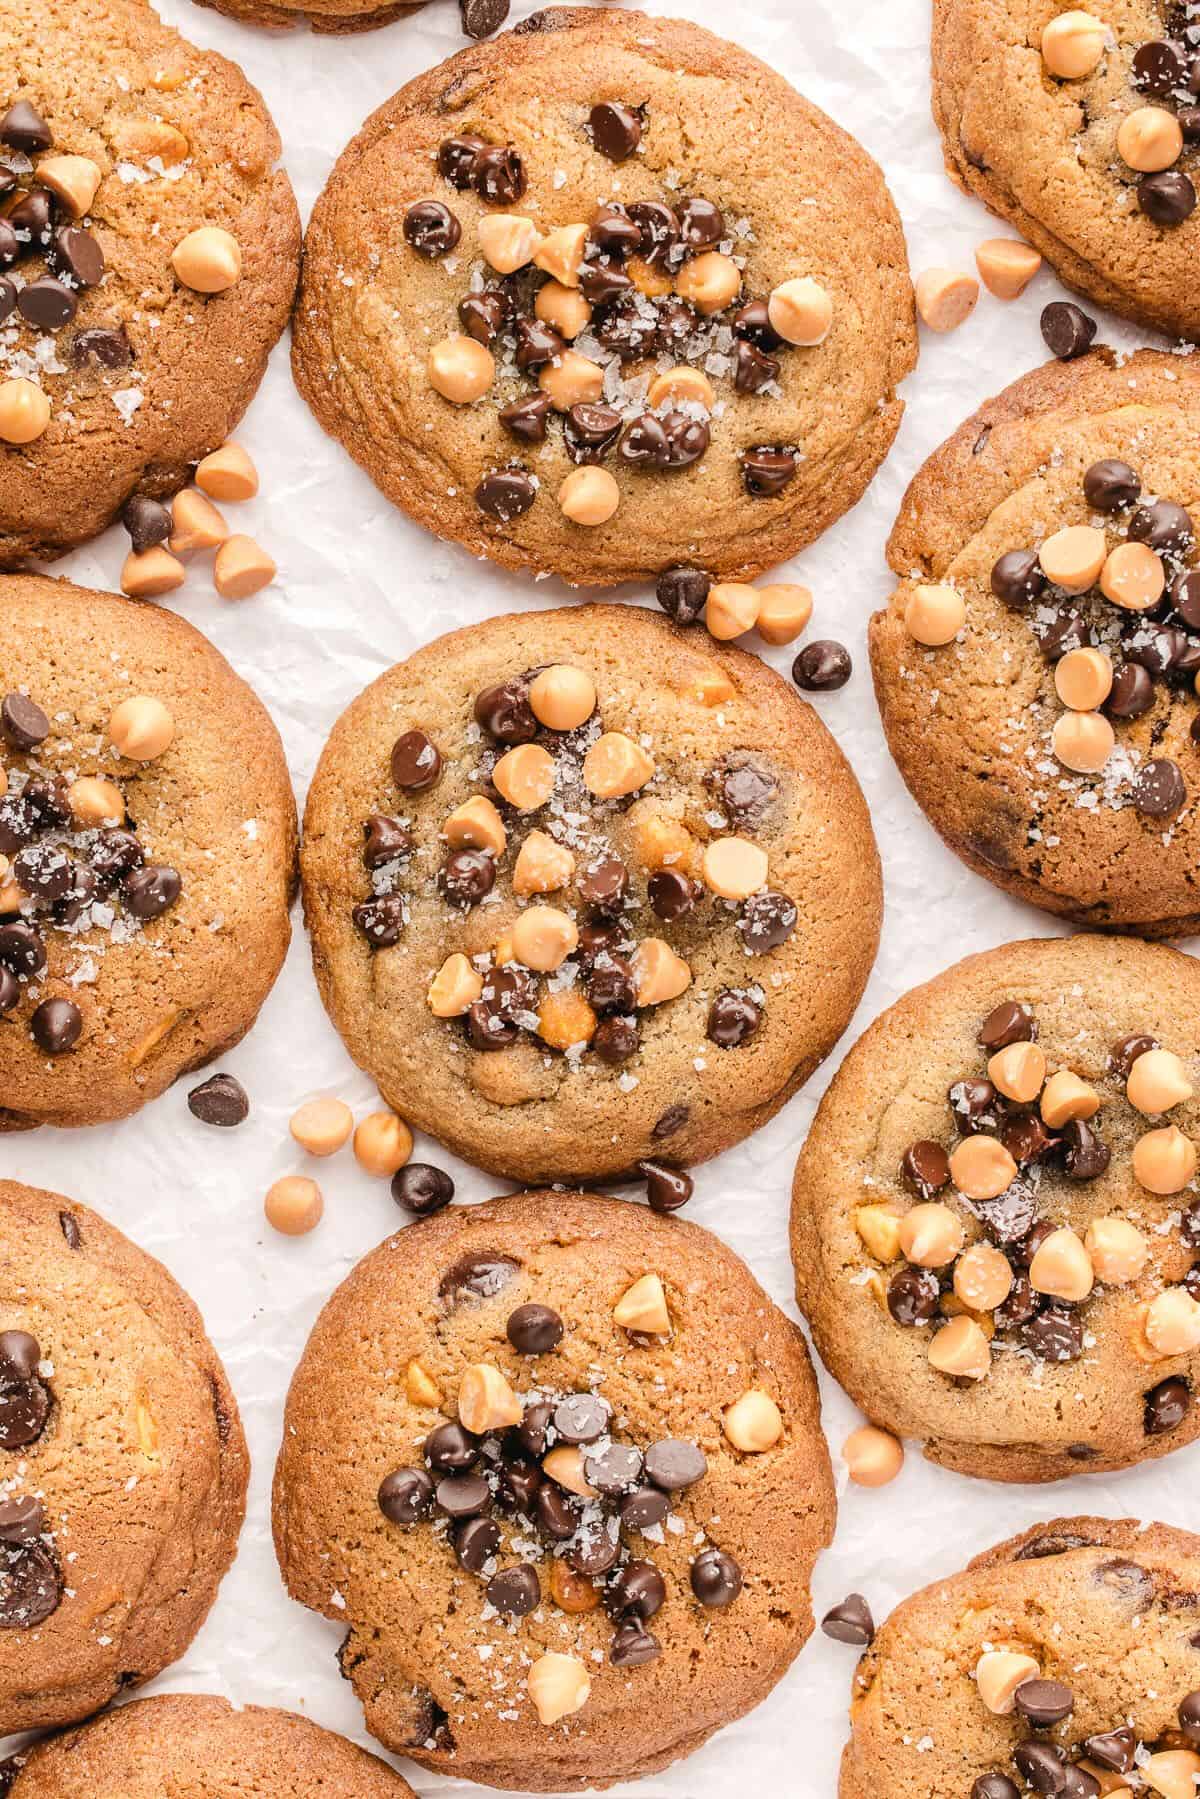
(30,1573)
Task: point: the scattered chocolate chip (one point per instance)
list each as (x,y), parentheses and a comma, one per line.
(672,442)
(534,1329)
(1111,486)
(150,890)
(1054,1335)
(463,1495)
(385,839)
(515,1591)
(850,1621)
(421,1188)
(604,885)
(822,666)
(1166,1406)
(595,1549)
(1115,1749)
(1044,1702)
(614,233)
(75,253)
(416,762)
(505,494)
(111,348)
(1041,1764)
(1008,1217)
(974,1105)
(1017,579)
(484,316)
(601,283)
(34,215)
(1132,692)
(406,1495)
(481,17)
(450,1450)
(614,1470)
(22,1519)
(1184,594)
(505,714)
(1012,1021)
(43,871)
(767,471)
(1067,330)
(590,431)
(667,1188)
(913,1295)
(1059,632)
(671,894)
(670,1121)
(24,128)
(581,1418)
(1159,68)
(1159,790)
(1189,1722)
(519,1484)
(476,1542)
(615,1040)
(701,224)
(644,1508)
(616,130)
(220,1100)
(1168,198)
(23,724)
(674,1463)
(555,1514)
(732,1019)
(10,990)
(925,1168)
(612,985)
(745,790)
(994,1785)
(633,1647)
(753,369)
(47,303)
(30,1588)
(1019,1307)
(498,175)
(1165,526)
(56,1026)
(456,158)
(381,920)
(466,877)
(659,228)
(527,417)
(716,1577)
(767,921)
(1027,1140)
(24,1397)
(147,521)
(8,289)
(537,344)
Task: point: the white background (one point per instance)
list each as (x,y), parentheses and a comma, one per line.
(359,588)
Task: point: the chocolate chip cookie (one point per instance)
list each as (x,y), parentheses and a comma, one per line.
(1061,1662)
(327,16)
(554,1465)
(190,1743)
(149,251)
(605,294)
(147,853)
(585,888)
(124,1465)
(993,1225)
(1080,127)
(1036,668)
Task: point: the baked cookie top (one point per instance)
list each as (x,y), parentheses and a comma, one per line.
(994,1221)
(615,881)
(147,853)
(122,1463)
(327,16)
(1061,1662)
(554,1464)
(197,1747)
(149,250)
(603,295)
(1080,126)
(1036,667)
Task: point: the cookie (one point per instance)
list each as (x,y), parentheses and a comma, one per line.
(188,1742)
(1061,1662)
(150,250)
(147,853)
(554,1464)
(1036,667)
(338,17)
(123,1462)
(1080,128)
(603,295)
(992,1221)
(585,888)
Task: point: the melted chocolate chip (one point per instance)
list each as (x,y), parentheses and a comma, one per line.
(456,158)
(56,1026)
(925,1168)
(913,1295)
(667,1189)
(767,921)
(534,1329)
(1111,486)
(498,175)
(483,317)
(616,130)
(220,1100)
(515,1592)
(1168,198)
(384,840)
(766,471)
(406,1496)
(716,1578)
(24,128)
(1012,1021)
(466,877)
(732,1019)
(416,762)
(505,494)
(23,724)
(476,1277)
(421,1188)
(671,894)
(381,920)
(1166,1406)
(30,1587)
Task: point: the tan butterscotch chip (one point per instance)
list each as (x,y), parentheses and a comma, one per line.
(562,697)
(1018,1071)
(208,260)
(1006,266)
(643,1307)
(712,688)
(1062,1267)
(486,1402)
(934,616)
(784,609)
(1172,1322)
(524,776)
(96,802)
(420,1388)
(382,1144)
(242,567)
(754,1422)
(659,974)
(139,139)
(294,1205)
(1172,1772)
(459,369)
(321,1126)
(476,825)
(680,386)
(983,1277)
(731,610)
(509,241)
(801,311)
(564,1466)
(873,1457)
(24,411)
(572,1593)
(664,843)
(565,1019)
(1066,1097)
(946,298)
(543,938)
(1073,557)
(1083,741)
(998,1674)
(72,180)
(228,474)
(931,1235)
(141,728)
(710,282)
(960,1349)
(12,897)
(1117,1249)
(542,865)
(879,1228)
(558,1686)
(1072,44)
(649,278)
(734,868)
(1157,1081)
(1164,1161)
(982,1168)
(1133,577)
(564,309)
(454,988)
(1150,139)
(573,380)
(1083,679)
(560,253)
(152,573)
(195,523)
(589,496)
(615,765)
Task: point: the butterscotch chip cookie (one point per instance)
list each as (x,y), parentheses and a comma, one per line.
(337,17)
(522,241)
(1079,126)
(1049,729)
(1062,1662)
(993,1221)
(147,853)
(600,1564)
(584,888)
(150,250)
(124,1464)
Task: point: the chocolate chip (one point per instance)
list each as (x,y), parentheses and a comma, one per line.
(1189,1225)
(667,1188)
(23,724)
(76,254)
(33,214)
(110,348)
(515,1591)
(850,1621)
(421,1188)
(484,316)
(8,290)
(615,1040)
(519,1484)
(644,1508)
(671,894)
(22,949)
(1054,1335)
(56,1025)
(913,1295)
(22,1519)
(767,471)
(416,762)
(384,840)
(581,1418)
(746,791)
(463,1495)
(601,283)
(1167,199)
(1159,67)
(614,1470)
(466,877)
(534,1329)
(10,990)
(1166,1406)
(1159,791)
(1027,1140)
(767,921)
(1044,1702)
(450,1450)
(147,521)
(975,1105)
(616,130)
(673,1463)
(406,1495)
(24,128)
(381,920)
(505,494)
(1008,1217)
(149,891)
(1024,1251)
(1017,579)
(456,158)
(555,1514)
(1012,1021)
(498,175)
(612,986)
(732,1019)
(527,417)
(701,224)
(1189,1723)
(30,1588)
(925,1167)
(753,369)
(505,714)
(1068,330)
(47,303)
(20,1355)
(752,324)
(670,1121)
(716,1577)
(1042,1766)
(1132,692)
(614,233)
(595,1549)
(1184,594)
(1115,1749)
(1165,526)
(994,1785)
(590,431)
(1020,1306)
(475,1543)
(43,871)
(481,17)
(672,442)
(822,666)
(633,1647)
(220,1100)
(1110,486)
(537,344)
(659,228)
(604,885)
(1059,632)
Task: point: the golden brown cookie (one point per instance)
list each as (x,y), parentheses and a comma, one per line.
(1036,666)
(1060,1662)
(124,1464)
(1078,125)
(337,17)
(993,1226)
(147,853)
(555,1466)
(585,888)
(604,295)
(150,249)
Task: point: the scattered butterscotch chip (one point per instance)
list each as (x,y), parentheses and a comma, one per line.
(242,568)
(195,523)
(96,802)
(879,1228)
(1066,1097)
(946,298)
(152,573)
(558,1686)
(1164,1161)
(1083,679)
(649,278)
(931,1235)
(562,697)
(382,1144)
(141,728)
(679,386)
(753,1423)
(934,615)
(1149,139)
(565,1019)
(560,253)
(564,1466)
(72,180)
(572,1593)
(454,988)
(24,411)
(1083,741)
(419,1385)
(476,825)
(524,776)
(983,1277)
(710,282)
(784,609)
(1018,1071)
(615,766)
(294,1205)
(321,1126)
(998,1674)
(1006,266)
(1118,1250)
(800,311)
(460,369)
(573,380)
(589,496)
(660,974)
(208,260)
(228,474)
(486,1402)
(508,241)
(643,1307)
(1073,557)
(564,309)
(734,868)
(139,139)
(1172,1773)
(712,688)
(873,1457)
(1072,44)
(960,1349)
(663,842)
(1062,1267)
(1134,577)
(1157,1080)
(542,865)
(981,1168)
(731,610)
(543,938)
(1173,1322)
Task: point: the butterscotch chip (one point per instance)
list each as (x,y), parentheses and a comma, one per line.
(562,697)
(589,496)
(573,380)
(946,298)
(681,386)
(508,241)
(784,609)
(712,688)
(659,973)
(1118,1250)
(643,1307)
(95,802)
(542,865)
(983,1277)
(734,868)
(1157,1080)
(139,139)
(1133,577)
(382,1144)
(558,1686)
(934,616)
(664,843)
(565,1019)
(1164,1161)
(1066,1097)
(731,610)
(998,1674)
(930,1235)
(486,1402)
(227,474)
(460,369)
(1073,557)
(564,1466)
(649,279)
(1083,679)
(141,728)
(476,825)
(754,1422)
(454,988)
(1173,1322)
(982,1168)
(572,1593)
(242,568)
(419,1385)
(1062,1267)
(801,311)
(321,1126)
(195,523)
(543,938)
(564,309)
(1083,741)
(710,282)
(1006,266)
(1150,139)
(615,765)
(24,411)
(151,574)
(294,1205)
(561,252)
(961,1349)
(1018,1071)
(72,180)
(879,1228)
(872,1457)
(208,260)
(1172,1772)
(1073,43)
(525,776)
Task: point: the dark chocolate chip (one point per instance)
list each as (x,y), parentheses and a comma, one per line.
(406,1495)
(484,316)
(1009,1216)
(669,1122)
(674,1463)
(24,128)
(1159,791)
(633,1647)
(505,714)
(644,1508)
(766,471)
(1166,1406)
(147,521)
(22,1519)
(1042,1766)
(1054,1335)
(47,303)
(1115,1749)
(1168,198)
(481,17)
(746,791)
(733,1018)
(601,283)
(671,894)
(111,348)
(385,839)
(1012,1021)
(421,1188)
(925,1167)
(614,1470)
(515,1591)
(994,1785)
(10,990)
(476,1542)
(1068,330)
(220,1100)
(381,920)
(753,369)
(667,1188)
(701,224)
(616,130)
(466,877)
(638,1591)
(975,1106)
(1111,486)
(614,233)
(20,1355)
(416,762)
(43,871)
(595,1549)
(23,724)
(449,1449)
(76,254)
(527,417)
(590,431)
(616,1040)
(505,494)
(56,1025)
(716,1577)
(1044,1702)
(555,1514)
(850,1621)
(581,1418)
(534,1329)
(149,891)
(604,885)
(1165,526)
(767,921)
(612,985)
(8,289)
(456,158)
(463,1495)
(33,215)
(498,175)
(1159,68)
(537,344)
(1027,1140)
(659,227)
(1132,691)
(1017,579)
(913,1295)
(30,1588)
(22,949)
(752,323)
(822,666)
(1189,1721)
